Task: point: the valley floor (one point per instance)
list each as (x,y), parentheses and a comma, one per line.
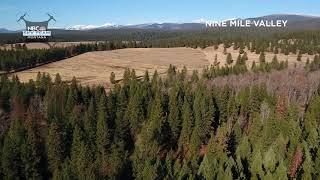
(94,68)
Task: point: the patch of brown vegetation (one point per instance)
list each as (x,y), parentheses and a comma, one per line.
(296,162)
(94,68)
(210,53)
(203,150)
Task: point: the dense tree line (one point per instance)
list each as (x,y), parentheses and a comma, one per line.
(305,42)
(19,57)
(151,35)
(22,58)
(176,127)
(258,41)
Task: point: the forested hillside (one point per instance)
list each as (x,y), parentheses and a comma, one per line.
(249,126)
(259,42)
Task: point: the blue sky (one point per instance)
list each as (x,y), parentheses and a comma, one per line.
(97,12)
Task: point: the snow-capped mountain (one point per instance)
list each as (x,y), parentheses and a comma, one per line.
(89,27)
(4,30)
(294,22)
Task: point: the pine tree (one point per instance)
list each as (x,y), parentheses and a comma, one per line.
(169,166)
(12,164)
(158,122)
(153,135)
(133,74)
(183,74)
(146,77)
(75,148)
(150,170)
(195,144)
(269,161)
(244,57)
(308,164)
(241,50)
(239,61)
(81,158)
(118,163)
(72,97)
(126,76)
(216,46)
(57,79)
(187,123)
(55,147)
(262,58)
(112,78)
(103,133)
(312,122)
(67,171)
(299,57)
(281,171)
(307,66)
(256,166)
(244,148)
(229,59)
(32,155)
(174,117)
(317,163)
(223,104)
(275,63)
(194,77)
(155,81)
(203,113)
(209,167)
(90,124)
(122,125)
(215,62)
(228,172)
(134,113)
(171,73)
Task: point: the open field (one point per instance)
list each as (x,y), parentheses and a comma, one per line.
(94,68)
(210,53)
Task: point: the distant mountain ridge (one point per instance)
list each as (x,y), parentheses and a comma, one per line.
(4,30)
(294,22)
(89,27)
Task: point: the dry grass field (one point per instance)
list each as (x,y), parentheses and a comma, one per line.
(94,68)
(210,53)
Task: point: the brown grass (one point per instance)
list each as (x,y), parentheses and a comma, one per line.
(210,53)
(94,68)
